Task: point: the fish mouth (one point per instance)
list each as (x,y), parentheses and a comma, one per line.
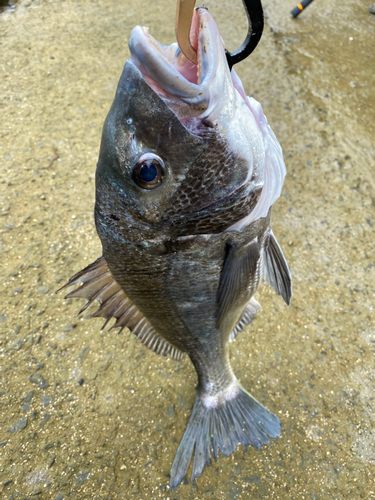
(208,97)
(190,90)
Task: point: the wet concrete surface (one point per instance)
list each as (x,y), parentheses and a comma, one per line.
(89,414)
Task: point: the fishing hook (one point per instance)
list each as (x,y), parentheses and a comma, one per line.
(254,12)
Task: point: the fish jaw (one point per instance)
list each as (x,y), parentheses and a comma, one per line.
(204,90)
(206,96)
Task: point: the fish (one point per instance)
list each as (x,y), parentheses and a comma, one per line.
(187,175)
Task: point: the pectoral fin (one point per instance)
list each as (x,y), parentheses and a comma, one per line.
(276,271)
(99,284)
(238,277)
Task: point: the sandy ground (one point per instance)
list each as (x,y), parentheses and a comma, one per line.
(89,414)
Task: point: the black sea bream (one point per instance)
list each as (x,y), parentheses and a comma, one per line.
(188,172)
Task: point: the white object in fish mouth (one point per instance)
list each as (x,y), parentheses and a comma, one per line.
(209,92)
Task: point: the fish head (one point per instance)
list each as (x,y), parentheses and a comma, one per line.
(183,151)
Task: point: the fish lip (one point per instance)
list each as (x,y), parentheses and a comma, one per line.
(189,90)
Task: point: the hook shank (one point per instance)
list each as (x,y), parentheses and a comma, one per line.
(185,10)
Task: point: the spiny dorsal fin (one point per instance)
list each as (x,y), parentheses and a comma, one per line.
(252,307)
(276,271)
(237,277)
(99,284)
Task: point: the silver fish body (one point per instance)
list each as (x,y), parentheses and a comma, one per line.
(187,174)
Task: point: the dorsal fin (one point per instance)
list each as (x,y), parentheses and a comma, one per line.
(237,276)
(99,284)
(252,307)
(276,271)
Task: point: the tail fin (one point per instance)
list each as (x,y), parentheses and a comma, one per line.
(241,420)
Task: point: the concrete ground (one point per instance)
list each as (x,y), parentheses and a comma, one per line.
(88,414)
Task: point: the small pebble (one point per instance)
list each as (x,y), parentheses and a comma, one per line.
(42,384)
(36,378)
(82,477)
(17,345)
(46,418)
(27,397)
(45,400)
(80,381)
(7,482)
(372,9)
(17,426)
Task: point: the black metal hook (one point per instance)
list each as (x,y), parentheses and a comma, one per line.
(254,12)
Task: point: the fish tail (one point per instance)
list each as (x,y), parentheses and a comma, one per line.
(239,420)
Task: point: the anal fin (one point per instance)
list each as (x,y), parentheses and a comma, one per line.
(276,271)
(99,284)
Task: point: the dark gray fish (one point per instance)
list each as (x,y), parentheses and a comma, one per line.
(188,171)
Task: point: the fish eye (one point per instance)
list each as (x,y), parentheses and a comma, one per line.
(149,171)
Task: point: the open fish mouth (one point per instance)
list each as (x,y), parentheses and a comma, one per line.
(207,96)
(190,90)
